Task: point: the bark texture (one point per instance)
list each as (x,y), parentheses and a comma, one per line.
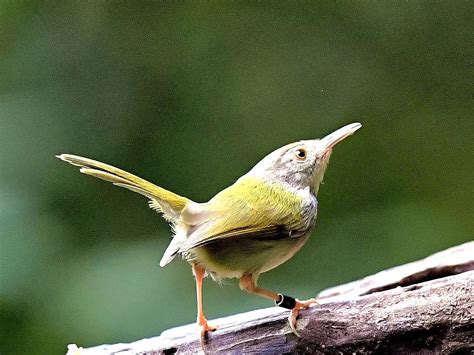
(426,306)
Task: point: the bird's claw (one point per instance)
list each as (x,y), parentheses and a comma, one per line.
(205,327)
(296,311)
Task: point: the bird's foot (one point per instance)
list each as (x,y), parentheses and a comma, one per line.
(205,327)
(296,310)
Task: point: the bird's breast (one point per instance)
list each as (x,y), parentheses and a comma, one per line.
(309,209)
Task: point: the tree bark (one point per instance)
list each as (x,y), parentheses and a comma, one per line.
(426,306)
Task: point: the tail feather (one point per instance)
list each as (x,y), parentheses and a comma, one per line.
(169,203)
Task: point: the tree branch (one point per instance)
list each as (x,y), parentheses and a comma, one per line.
(425,306)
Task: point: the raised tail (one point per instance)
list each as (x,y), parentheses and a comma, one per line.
(166,202)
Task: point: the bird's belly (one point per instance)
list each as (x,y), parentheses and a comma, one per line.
(233,258)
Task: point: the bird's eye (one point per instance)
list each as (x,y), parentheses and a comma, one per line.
(301,154)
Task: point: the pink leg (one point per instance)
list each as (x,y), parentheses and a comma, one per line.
(201,319)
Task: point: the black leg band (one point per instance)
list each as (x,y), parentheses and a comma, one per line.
(285,301)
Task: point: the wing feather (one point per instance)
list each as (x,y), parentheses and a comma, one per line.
(250,207)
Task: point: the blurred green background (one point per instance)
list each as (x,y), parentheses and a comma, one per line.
(191,95)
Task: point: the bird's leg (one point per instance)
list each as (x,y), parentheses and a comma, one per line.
(248,283)
(201,319)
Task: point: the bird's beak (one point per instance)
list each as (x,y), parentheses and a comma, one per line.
(325,144)
(324,149)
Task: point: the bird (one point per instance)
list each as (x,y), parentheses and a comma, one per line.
(250,227)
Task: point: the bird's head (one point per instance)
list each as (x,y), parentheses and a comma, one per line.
(301,164)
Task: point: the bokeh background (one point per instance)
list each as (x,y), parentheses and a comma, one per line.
(191,95)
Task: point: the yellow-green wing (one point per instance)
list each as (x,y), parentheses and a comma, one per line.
(250,207)
(267,233)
